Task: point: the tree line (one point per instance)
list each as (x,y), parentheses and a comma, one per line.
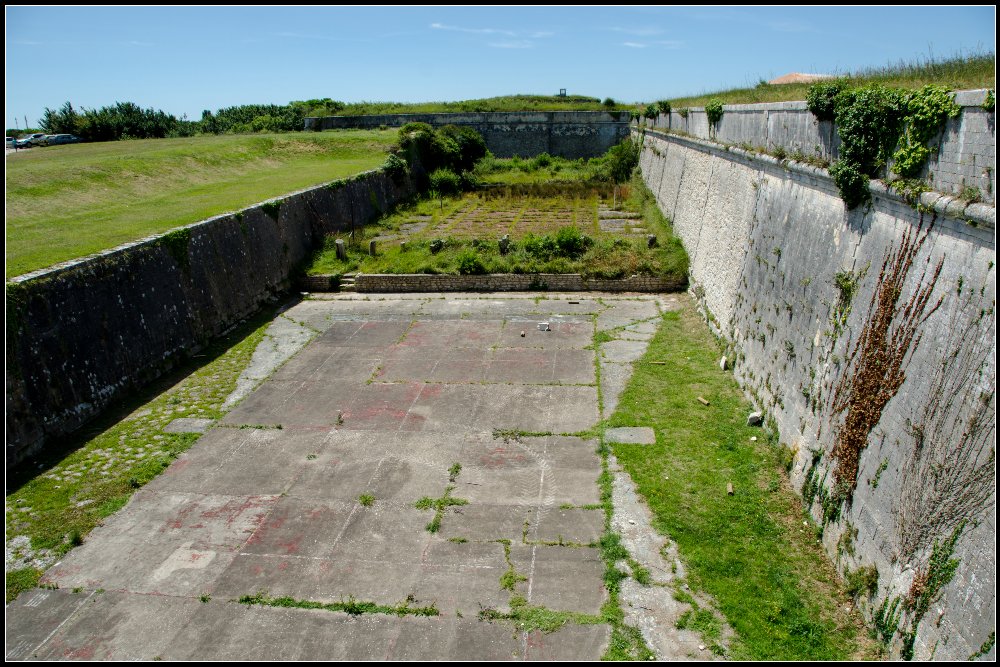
(127,120)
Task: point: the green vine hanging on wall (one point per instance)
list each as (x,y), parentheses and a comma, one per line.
(927,110)
(876,122)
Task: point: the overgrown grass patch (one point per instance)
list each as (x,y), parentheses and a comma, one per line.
(540,223)
(58,499)
(750,551)
(68,201)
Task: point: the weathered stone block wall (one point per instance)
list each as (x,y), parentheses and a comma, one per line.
(569,134)
(83,334)
(767,241)
(966,153)
(509,282)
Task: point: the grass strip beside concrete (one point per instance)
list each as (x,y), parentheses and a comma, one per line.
(749,551)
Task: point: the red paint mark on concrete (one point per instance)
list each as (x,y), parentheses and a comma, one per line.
(235,508)
(178,520)
(85,652)
(291,546)
(431,391)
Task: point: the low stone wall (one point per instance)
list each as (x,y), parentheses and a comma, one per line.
(86,333)
(793,281)
(966,155)
(568,134)
(509,282)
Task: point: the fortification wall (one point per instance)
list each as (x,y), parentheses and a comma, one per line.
(83,334)
(794,282)
(568,134)
(966,155)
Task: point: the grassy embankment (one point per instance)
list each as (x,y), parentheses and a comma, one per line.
(501,103)
(69,201)
(958,73)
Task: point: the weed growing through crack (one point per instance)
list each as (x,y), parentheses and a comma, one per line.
(350,606)
(439,505)
(366,499)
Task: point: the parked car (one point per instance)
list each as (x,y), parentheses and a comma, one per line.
(36,139)
(11,142)
(56,139)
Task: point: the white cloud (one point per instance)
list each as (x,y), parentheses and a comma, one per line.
(475,31)
(512,44)
(634,45)
(640,32)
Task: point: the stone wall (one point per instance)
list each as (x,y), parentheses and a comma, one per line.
(509,282)
(568,134)
(966,154)
(86,333)
(775,258)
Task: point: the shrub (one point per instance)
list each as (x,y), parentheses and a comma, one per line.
(651,112)
(471,146)
(822,98)
(572,242)
(540,247)
(868,120)
(395,167)
(664,107)
(543,160)
(714,111)
(609,103)
(852,183)
(445,182)
(469,263)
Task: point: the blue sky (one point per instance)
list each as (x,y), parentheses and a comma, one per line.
(185,59)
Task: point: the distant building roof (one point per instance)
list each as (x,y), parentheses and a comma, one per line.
(799,77)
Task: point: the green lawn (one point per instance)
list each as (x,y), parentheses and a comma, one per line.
(68,201)
(754,552)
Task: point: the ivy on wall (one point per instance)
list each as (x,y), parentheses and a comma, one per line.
(876,123)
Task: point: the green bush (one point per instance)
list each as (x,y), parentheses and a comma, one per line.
(471,146)
(869,120)
(542,160)
(540,247)
(714,111)
(571,242)
(651,112)
(395,167)
(664,107)
(852,183)
(822,98)
(469,263)
(445,182)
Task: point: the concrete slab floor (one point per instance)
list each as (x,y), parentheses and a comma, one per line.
(309,487)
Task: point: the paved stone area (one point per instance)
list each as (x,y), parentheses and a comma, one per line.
(309,488)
